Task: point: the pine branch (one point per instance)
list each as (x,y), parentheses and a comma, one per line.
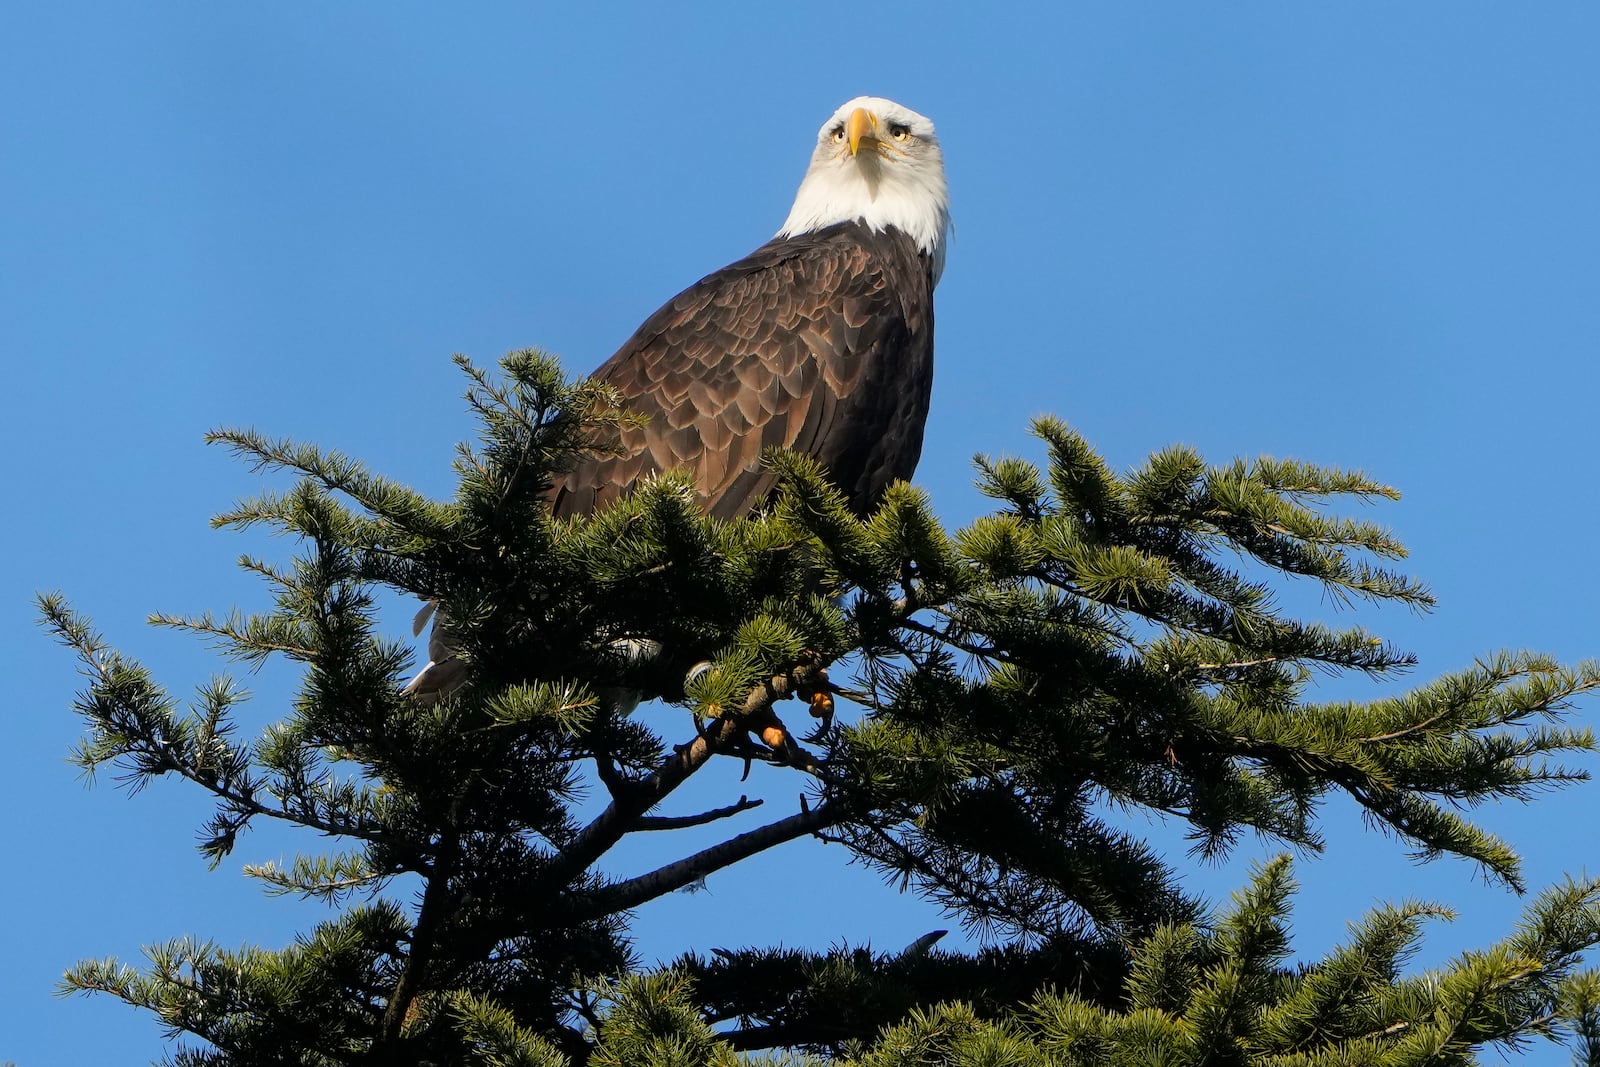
(404,511)
(964,890)
(495,1036)
(319,877)
(251,640)
(133,721)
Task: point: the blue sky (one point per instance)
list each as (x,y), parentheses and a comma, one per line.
(1362,234)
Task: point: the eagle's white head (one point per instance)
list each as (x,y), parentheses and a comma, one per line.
(878,162)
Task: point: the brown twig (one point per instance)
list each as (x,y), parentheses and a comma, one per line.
(678,822)
(636,891)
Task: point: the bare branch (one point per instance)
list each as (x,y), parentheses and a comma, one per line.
(678,822)
(674,876)
(620,816)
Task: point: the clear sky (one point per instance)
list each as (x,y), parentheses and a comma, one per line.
(1362,234)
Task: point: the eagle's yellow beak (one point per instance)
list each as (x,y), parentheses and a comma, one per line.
(861,125)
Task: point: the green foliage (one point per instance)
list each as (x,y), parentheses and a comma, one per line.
(1224,996)
(653,1020)
(986,703)
(299,1005)
(490,1035)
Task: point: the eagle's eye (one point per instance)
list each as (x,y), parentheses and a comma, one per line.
(838,132)
(899,131)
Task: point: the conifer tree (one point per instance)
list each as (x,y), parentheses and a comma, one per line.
(959,709)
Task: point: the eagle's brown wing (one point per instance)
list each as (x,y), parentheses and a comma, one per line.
(821,343)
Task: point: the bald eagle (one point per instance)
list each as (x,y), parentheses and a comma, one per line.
(819,341)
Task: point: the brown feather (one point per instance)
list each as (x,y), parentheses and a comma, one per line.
(822,343)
